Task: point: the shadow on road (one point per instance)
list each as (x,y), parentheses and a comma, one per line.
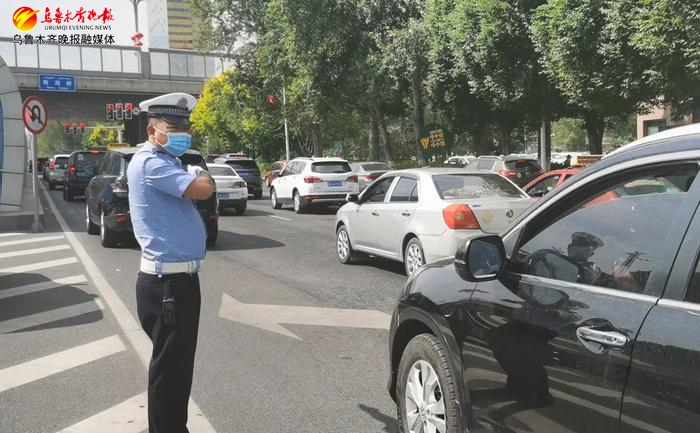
(390,424)
(380,263)
(248,212)
(229,241)
(30,302)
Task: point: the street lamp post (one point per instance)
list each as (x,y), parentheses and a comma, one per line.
(135,3)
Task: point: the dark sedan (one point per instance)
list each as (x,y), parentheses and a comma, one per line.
(582,316)
(107,199)
(82,166)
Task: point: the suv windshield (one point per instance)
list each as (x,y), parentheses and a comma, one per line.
(330,167)
(83,160)
(450,186)
(61,162)
(221,171)
(242,164)
(376,166)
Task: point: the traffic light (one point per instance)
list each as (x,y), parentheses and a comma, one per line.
(119,111)
(75,128)
(137,39)
(109,109)
(67,127)
(128,110)
(82,127)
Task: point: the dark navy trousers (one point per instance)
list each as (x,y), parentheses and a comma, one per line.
(174,346)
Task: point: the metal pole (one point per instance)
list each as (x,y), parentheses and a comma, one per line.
(286,127)
(119,134)
(36,226)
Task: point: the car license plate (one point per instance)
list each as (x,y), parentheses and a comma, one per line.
(222,194)
(335,183)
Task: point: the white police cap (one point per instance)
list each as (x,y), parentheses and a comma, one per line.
(174,107)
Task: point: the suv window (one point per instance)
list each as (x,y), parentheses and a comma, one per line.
(87,161)
(299,167)
(451,186)
(61,162)
(190,159)
(330,167)
(483,164)
(406,190)
(242,164)
(612,240)
(377,192)
(543,186)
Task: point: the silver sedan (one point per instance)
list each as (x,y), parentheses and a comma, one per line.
(418,216)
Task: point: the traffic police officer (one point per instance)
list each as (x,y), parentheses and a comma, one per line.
(172,239)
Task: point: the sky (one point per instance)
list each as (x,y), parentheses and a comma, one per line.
(122,10)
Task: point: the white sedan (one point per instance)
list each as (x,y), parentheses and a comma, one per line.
(418,216)
(231,189)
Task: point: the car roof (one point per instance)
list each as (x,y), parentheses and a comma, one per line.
(212,164)
(668,134)
(320,159)
(430,171)
(61,155)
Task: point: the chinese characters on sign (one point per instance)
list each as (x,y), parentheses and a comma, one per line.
(76,39)
(80,16)
(434,140)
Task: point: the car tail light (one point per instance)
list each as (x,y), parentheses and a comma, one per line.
(352,178)
(508,173)
(312,179)
(121,218)
(370,176)
(120,187)
(95,152)
(73,169)
(460,216)
(52,165)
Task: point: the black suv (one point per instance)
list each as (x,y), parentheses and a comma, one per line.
(582,316)
(81,167)
(107,198)
(248,169)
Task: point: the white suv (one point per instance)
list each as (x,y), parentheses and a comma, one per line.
(313,181)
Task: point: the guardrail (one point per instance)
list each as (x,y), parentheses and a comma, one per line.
(110,61)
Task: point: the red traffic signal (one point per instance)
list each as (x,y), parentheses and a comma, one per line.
(109,111)
(67,127)
(82,127)
(75,128)
(119,111)
(128,110)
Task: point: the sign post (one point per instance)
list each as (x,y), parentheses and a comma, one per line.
(35,118)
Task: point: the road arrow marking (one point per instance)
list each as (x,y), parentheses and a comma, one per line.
(269,317)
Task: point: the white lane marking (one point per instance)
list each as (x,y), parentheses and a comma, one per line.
(131,328)
(280,218)
(127,417)
(44,285)
(34,251)
(45,317)
(39,266)
(46,366)
(30,240)
(4,235)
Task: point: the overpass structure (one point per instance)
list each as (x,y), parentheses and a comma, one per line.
(102,75)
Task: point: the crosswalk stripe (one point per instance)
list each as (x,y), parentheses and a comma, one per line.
(4,235)
(126,417)
(38,266)
(46,366)
(44,285)
(30,240)
(45,317)
(34,251)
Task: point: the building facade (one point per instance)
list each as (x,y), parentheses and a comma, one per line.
(659,119)
(170,25)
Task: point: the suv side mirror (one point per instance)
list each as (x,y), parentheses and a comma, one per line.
(481,258)
(352,198)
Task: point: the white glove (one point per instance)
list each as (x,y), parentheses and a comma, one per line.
(195,169)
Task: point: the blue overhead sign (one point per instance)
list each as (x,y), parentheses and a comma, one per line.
(57,83)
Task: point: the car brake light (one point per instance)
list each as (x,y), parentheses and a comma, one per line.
(352,178)
(312,179)
(508,173)
(52,165)
(370,176)
(460,216)
(73,169)
(95,152)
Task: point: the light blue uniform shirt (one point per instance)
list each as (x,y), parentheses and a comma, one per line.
(166,223)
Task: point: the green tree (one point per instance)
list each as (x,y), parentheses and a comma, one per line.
(101,136)
(54,138)
(586,51)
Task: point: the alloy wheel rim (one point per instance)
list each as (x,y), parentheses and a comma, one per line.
(424,402)
(297,202)
(274,198)
(102,225)
(343,244)
(414,258)
(87,216)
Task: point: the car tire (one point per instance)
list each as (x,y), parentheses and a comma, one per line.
(343,246)
(212,233)
(299,205)
(240,210)
(273,198)
(424,356)
(52,185)
(90,227)
(413,256)
(108,237)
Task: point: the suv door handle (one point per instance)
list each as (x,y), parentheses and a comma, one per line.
(606,338)
(406,213)
(375,213)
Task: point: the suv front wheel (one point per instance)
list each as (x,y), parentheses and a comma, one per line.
(108,237)
(299,204)
(273,198)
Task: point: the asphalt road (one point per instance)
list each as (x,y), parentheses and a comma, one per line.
(247,379)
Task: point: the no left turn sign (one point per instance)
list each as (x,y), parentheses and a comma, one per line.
(35,115)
